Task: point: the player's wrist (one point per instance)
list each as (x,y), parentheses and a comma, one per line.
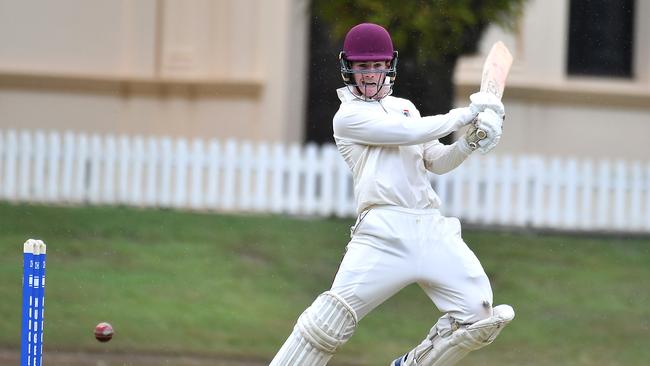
(462,116)
(464,146)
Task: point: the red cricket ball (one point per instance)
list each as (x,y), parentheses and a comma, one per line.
(103,332)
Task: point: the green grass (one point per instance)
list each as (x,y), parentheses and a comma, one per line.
(234,285)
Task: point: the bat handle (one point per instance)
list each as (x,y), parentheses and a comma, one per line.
(480,135)
(475,134)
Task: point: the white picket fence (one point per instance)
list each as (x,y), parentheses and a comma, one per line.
(235,176)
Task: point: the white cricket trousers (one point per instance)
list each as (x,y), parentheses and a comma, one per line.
(393,247)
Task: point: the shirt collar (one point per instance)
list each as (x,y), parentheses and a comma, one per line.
(345,95)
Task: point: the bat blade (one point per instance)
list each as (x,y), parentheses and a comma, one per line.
(496,69)
(493,80)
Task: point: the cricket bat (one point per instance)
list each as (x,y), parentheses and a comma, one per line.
(496,69)
(493,79)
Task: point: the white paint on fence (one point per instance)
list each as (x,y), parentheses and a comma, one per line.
(562,193)
(10,152)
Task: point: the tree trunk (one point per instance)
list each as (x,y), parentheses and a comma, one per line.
(324,78)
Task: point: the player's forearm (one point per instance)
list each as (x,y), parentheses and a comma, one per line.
(398,130)
(447,157)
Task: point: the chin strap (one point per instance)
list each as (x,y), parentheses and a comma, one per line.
(356,91)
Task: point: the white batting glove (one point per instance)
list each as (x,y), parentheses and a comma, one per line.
(481,101)
(492,124)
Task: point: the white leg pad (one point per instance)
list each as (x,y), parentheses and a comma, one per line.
(448,342)
(327,324)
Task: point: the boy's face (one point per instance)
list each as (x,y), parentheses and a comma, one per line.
(369,77)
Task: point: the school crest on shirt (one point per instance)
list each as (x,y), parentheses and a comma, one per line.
(406,113)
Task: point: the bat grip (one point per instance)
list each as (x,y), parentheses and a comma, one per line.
(474,135)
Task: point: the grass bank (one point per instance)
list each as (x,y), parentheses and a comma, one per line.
(219,284)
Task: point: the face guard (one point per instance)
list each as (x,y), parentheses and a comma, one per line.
(384,84)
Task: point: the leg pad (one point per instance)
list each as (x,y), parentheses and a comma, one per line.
(327,324)
(448,342)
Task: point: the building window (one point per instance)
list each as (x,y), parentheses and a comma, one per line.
(601,38)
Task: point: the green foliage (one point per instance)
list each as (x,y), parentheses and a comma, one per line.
(429,29)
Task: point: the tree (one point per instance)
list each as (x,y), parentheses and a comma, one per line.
(430,36)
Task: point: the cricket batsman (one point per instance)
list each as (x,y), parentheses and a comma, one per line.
(400,236)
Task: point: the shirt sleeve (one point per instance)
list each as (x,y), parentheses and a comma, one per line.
(371,127)
(440,158)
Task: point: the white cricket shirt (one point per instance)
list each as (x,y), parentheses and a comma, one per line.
(390,148)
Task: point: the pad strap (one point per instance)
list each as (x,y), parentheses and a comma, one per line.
(328,322)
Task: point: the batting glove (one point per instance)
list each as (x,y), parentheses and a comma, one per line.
(491,124)
(481,101)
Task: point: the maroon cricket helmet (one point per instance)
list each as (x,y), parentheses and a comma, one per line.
(368,42)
